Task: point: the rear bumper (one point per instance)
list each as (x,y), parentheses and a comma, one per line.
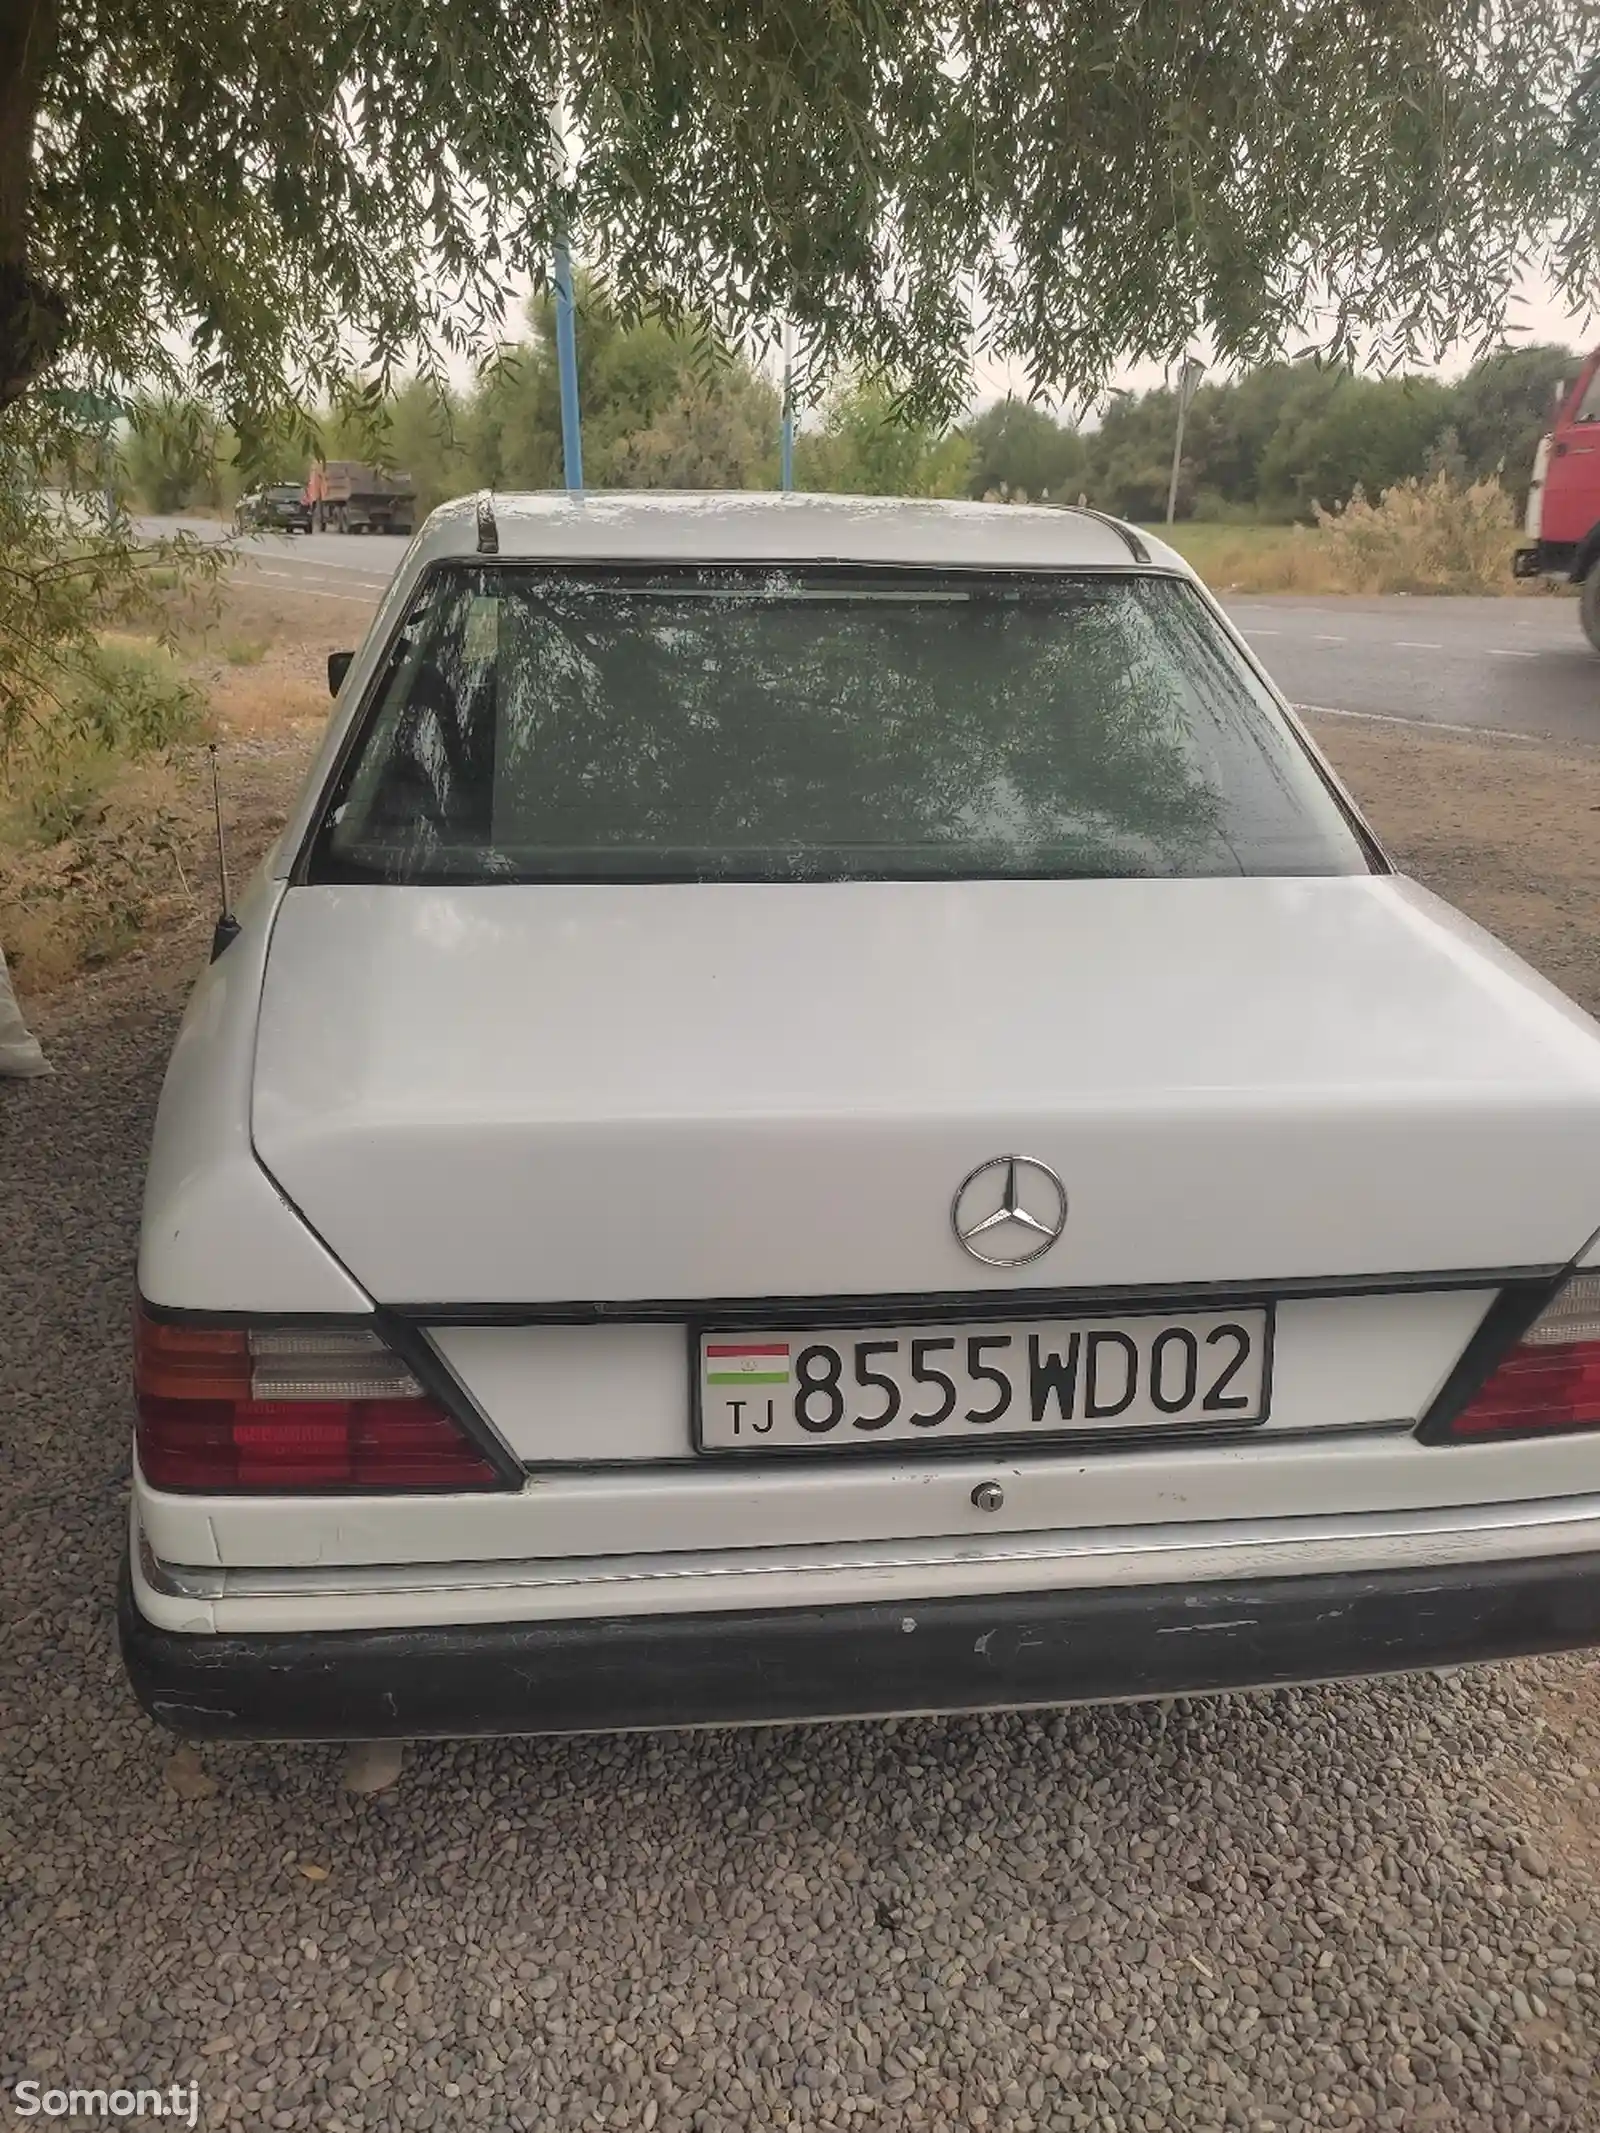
(971,1653)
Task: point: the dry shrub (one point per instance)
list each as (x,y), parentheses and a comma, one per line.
(1432,534)
(1436,534)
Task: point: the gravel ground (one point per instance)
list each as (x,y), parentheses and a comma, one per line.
(1361,1906)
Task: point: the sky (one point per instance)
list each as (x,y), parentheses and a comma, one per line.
(1537,313)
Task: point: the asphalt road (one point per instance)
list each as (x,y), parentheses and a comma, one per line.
(1517,665)
(327,561)
(1512,665)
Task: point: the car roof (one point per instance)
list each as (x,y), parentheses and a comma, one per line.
(737,526)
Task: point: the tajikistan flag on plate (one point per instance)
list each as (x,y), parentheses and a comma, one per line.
(747,1362)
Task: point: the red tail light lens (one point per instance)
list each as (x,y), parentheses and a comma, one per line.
(291,1410)
(1550,1382)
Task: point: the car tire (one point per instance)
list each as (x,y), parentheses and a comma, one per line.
(1589,604)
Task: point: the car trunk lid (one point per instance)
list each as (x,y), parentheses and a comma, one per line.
(570,1095)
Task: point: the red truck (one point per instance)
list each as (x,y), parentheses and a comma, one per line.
(345,497)
(1563,522)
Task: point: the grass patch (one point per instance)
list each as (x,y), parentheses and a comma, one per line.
(93,812)
(1253,558)
(131,698)
(76,900)
(245,651)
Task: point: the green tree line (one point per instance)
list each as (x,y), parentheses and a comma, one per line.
(664,408)
(1272,444)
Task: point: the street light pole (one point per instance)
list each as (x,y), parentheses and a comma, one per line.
(1189,377)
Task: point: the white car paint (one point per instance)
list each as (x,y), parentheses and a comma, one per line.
(548,1095)
(544,1094)
(216,1229)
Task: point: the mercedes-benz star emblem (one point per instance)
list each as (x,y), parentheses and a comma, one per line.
(1030,1216)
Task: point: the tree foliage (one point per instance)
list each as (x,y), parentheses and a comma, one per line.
(707,436)
(1339,433)
(661,406)
(292,189)
(1504,405)
(1019,451)
(67,572)
(868,445)
(174,454)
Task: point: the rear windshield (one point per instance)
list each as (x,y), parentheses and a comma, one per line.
(784,724)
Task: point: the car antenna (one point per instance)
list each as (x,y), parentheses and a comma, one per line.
(226,929)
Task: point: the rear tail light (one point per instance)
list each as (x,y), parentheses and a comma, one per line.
(291,1409)
(1550,1382)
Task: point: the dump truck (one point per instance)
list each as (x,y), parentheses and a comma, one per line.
(1563,521)
(345,497)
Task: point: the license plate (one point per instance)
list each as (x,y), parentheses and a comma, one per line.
(850,1388)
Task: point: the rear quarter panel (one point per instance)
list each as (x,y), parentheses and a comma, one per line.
(217,1234)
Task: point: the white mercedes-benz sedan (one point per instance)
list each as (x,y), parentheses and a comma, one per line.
(825,1108)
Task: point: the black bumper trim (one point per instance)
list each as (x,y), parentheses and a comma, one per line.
(1545,559)
(946,1655)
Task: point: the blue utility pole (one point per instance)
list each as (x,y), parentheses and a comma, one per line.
(567,368)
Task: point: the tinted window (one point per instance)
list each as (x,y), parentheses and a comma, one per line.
(789,724)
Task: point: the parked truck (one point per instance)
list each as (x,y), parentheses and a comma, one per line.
(1563,521)
(345,497)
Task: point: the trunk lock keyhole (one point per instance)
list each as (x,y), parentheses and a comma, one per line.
(988,1496)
